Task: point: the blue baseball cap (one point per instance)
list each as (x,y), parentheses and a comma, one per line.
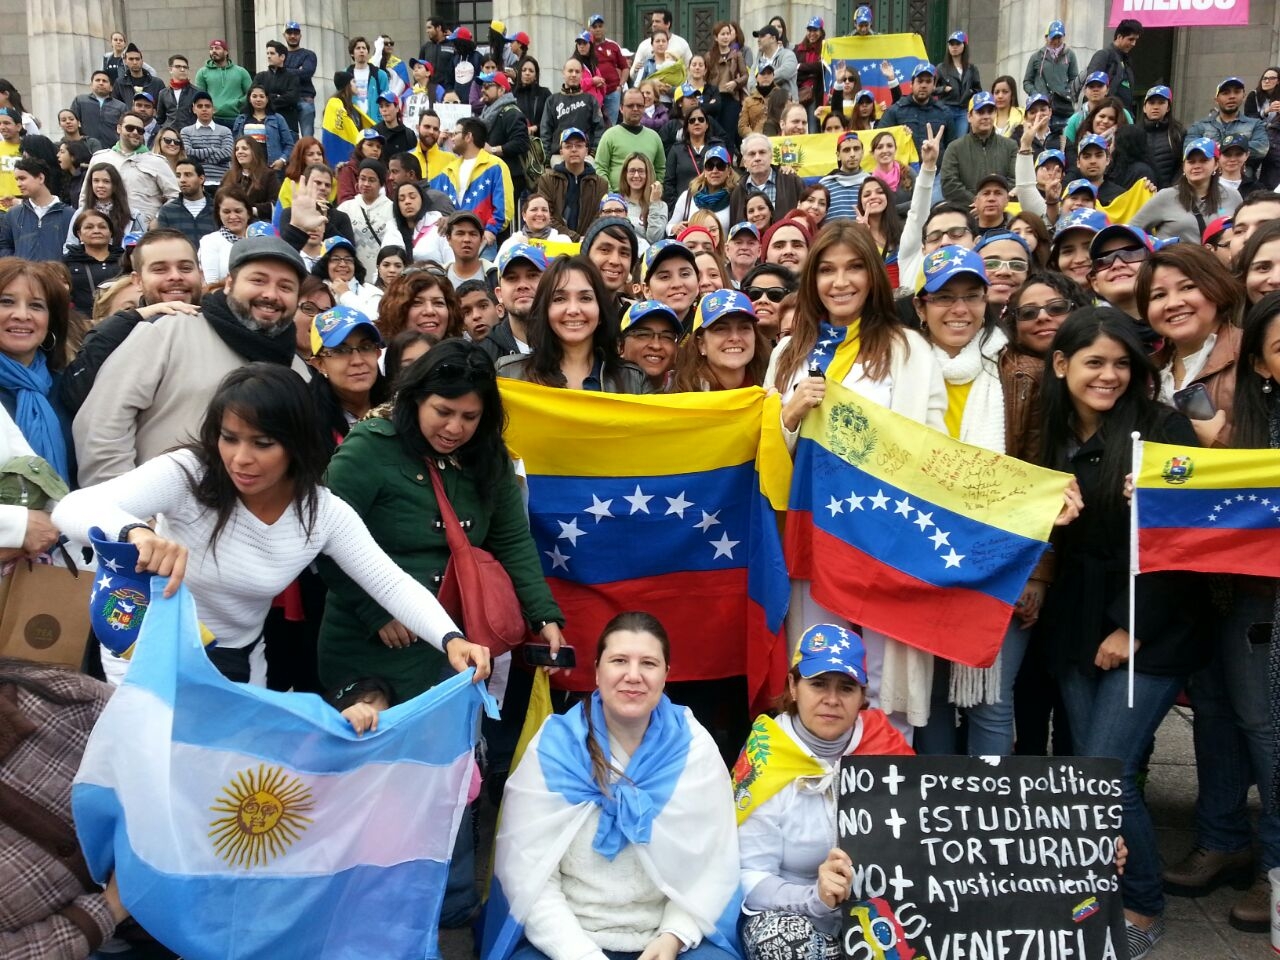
(261,228)
(717,305)
(1233,141)
(1049,156)
(332,243)
(130,239)
(293,25)
(743,226)
(664,250)
(1082,218)
(716,153)
(1098,76)
(389,97)
(827,648)
(614,197)
(372,134)
(864,95)
(143,95)
(920,68)
(1075,186)
(688,89)
(862,15)
(958,37)
(573,132)
(584,37)
(1231,82)
(1056,29)
(1034,100)
(1091,140)
(1122,231)
(1159,90)
(536,257)
(120,596)
(334,325)
(981,100)
(814,23)
(1203,145)
(997,236)
(594,19)
(947,263)
(647,310)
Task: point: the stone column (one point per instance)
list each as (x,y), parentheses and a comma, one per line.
(324,30)
(66,40)
(551,28)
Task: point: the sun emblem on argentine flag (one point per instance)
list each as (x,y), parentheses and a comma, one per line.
(262,816)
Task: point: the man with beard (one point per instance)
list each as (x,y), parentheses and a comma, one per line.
(507,132)
(148,181)
(154,390)
(519,270)
(136,78)
(431,158)
(1228,117)
(227,82)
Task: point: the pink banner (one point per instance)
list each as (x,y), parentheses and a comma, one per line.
(1182,13)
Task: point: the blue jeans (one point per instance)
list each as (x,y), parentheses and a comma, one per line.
(610,107)
(1233,733)
(306,118)
(990,725)
(958,125)
(1104,726)
(703,951)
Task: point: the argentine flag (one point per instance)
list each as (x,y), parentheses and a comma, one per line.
(241,822)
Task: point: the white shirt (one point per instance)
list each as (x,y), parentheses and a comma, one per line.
(1191,367)
(361,77)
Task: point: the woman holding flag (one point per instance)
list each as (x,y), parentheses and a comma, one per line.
(617,829)
(1097,391)
(343,121)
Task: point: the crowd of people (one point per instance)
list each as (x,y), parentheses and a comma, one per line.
(266,366)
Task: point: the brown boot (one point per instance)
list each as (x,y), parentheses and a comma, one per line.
(1252,912)
(1203,871)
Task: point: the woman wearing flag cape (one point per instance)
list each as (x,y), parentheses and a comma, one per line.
(617,828)
(794,876)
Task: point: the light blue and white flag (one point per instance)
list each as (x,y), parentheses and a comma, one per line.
(674,805)
(241,822)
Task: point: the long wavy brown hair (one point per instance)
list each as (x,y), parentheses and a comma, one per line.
(393,310)
(879,329)
(692,370)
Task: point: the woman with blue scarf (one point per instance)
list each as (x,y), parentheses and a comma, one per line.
(708,191)
(618,831)
(34,307)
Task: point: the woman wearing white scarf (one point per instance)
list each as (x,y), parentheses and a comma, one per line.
(954,315)
(617,829)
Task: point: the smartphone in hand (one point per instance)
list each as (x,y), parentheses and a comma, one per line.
(539,655)
(1193,402)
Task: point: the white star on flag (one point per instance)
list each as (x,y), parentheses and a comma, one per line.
(639,501)
(599,508)
(569,531)
(953,559)
(940,539)
(708,521)
(903,507)
(880,501)
(677,505)
(558,559)
(724,546)
(854,501)
(104,583)
(923,520)
(835,506)
(111,565)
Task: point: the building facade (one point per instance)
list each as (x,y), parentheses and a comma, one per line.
(55,44)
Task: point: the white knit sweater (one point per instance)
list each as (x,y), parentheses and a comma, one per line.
(254,561)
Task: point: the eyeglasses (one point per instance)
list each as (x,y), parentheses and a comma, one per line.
(477,369)
(774,294)
(310,308)
(346,260)
(715,165)
(170,141)
(346,352)
(949,300)
(693,120)
(430,267)
(995,263)
(1135,255)
(1054,308)
(651,336)
(951,233)
(130,128)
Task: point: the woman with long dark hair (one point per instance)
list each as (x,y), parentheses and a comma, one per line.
(727,74)
(1004,90)
(345,346)
(531,96)
(259,121)
(11,98)
(243,511)
(725,349)
(308,151)
(877,212)
(73,160)
(250,173)
(685,157)
(107,195)
(72,132)
(1098,389)
(571,330)
(958,81)
(1197,197)
(232,213)
(421,227)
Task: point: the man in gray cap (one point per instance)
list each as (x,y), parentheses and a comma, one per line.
(152,393)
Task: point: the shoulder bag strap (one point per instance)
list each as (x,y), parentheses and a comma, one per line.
(453,532)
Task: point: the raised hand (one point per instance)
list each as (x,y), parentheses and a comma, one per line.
(931,146)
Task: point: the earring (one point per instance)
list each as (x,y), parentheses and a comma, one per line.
(1266,385)
(50,347)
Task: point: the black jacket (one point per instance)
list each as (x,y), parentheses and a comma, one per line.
(87,274)
(508,128)
(954,88)
(99,343)
(1119,71)
(1089,597)
(174,214)
(683,164)
(284,90)
(399,140)
(128,87)
(531,101)
(1157,145)
(500,342)
(170,112)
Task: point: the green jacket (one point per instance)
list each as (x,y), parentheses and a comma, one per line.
(392,493)
(228,85)
(969,159)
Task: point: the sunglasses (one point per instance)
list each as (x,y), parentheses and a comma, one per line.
(715,165)
(952,233)
(1135,255)
(697,119)
(170,141)
(476,369)
(1054,308)
(130,128)
(773,294)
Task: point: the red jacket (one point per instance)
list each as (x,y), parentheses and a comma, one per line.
(612,64)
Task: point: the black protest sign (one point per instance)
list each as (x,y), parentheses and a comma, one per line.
(959,858)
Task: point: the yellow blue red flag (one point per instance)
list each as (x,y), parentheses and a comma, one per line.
(656,503)
(1126,206)
(340,131)
(1211,510)
(866,56)
(904,530)
(813,155)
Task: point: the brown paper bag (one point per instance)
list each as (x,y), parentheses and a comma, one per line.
(45,614)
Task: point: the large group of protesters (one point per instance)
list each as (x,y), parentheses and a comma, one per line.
(238,351)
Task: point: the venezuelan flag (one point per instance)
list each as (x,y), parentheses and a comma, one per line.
(864,55)
(1126,206)
(904,530)
(813,155)
(1211,510)
(658,503)
(340,131)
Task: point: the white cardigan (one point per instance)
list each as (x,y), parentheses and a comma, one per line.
(13,518)
(914,388)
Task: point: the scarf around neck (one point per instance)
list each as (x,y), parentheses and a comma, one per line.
(254,345)
(711,200)
(35,415)
(837,349)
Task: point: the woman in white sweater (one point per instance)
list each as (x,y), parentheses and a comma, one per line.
(617,828)
(241,513)
(846,329)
